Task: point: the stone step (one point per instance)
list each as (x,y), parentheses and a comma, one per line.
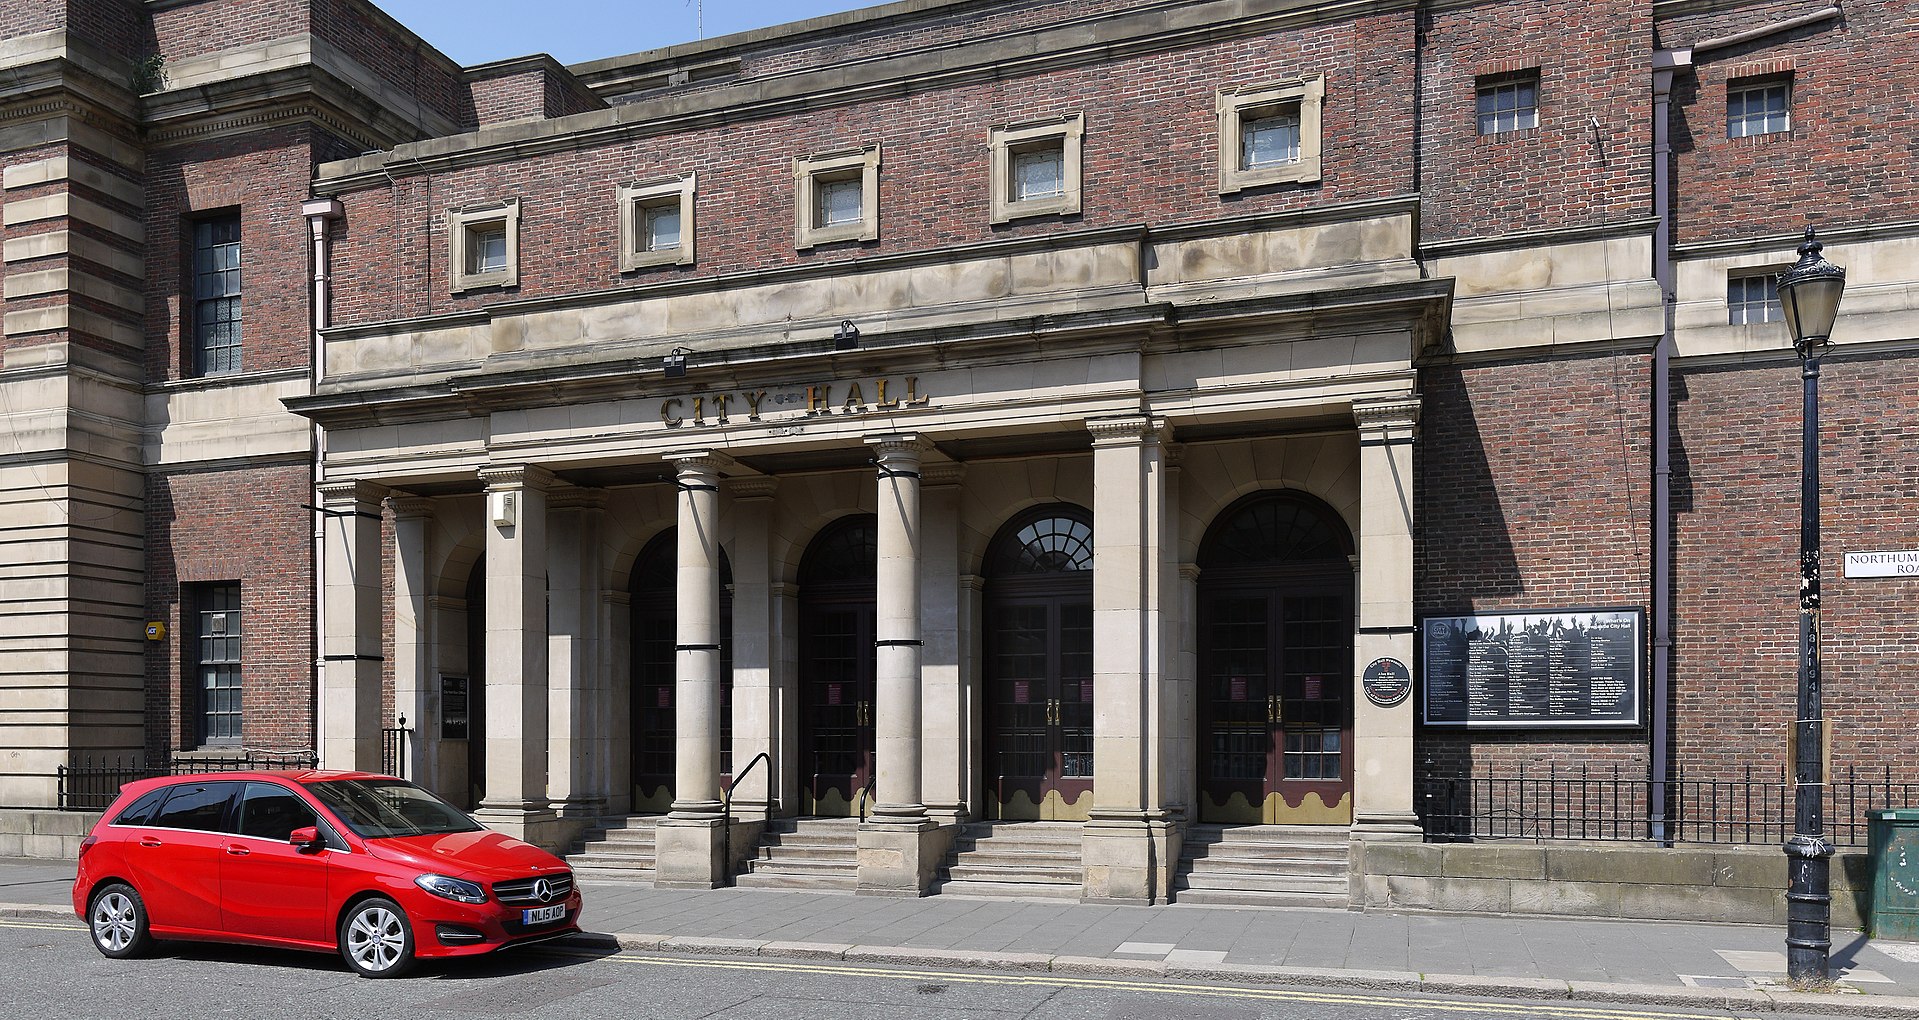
(801,865)
(594,875)
(805,883)
(823,855)
(1005,839)
(813,825)
(1007,856)
(1263,851)
(1263,883)
(1251,898)
(1265,866)
(848,842)
(605,859)
(1268,833)
(1017,874)
(1007,890)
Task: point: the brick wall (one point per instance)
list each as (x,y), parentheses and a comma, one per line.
(265,176)
(243,525)
(1150,154)
(1849,156)
(1593,66)
(1736,473)
(1533,481)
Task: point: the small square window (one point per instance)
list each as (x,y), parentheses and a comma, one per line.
(1270,134)
(656,223)
(1758,108)
(1508,102)
(1269,137)
(1036,167)
(836,197)
(1753,298)
(483,245)
(839,201)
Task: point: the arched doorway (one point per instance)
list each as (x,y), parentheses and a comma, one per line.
(654,590)
(837,664)
(1039,666)
(1276,663)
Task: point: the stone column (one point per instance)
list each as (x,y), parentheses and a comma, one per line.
(945,775)
(350,635)
(1383,737)
(897,846)
(515,800)
(1131,843)
(753,659)
(690,838)
(575,518)
(615,729)
(416,696)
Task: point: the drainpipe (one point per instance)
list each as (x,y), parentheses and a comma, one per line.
(1665,63)
(320,214)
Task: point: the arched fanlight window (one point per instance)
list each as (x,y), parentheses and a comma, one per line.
(844,552)
(1272,528)
(1046,540)
(655,569)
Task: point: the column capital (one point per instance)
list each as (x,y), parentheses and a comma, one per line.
(573,497)
(1129,430)
(897,444)
(501,477)
(697,459)
(752,487)
(350,493)
(1387,417)
(406,506)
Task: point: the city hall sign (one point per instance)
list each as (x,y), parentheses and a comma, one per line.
(728,406)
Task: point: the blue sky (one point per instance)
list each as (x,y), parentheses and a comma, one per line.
(477,31)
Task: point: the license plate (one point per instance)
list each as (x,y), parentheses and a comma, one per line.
(543,915)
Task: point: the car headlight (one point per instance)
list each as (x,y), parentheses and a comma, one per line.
(452,888)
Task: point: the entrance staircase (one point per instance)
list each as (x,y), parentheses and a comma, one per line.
(811,854)
(1014,860)
(1264,866)
(618,848)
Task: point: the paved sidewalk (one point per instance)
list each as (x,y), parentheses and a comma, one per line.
(1735,966)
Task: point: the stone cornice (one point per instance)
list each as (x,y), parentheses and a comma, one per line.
(501,477)
(1784,244)
(279,95)
(1391,413)
(352,494)
(1101,39)
(573,497)
(946,472)
(1131,430)
(752,487)
(1537,238)
(406,505)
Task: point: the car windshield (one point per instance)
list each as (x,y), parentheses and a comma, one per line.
(377,808)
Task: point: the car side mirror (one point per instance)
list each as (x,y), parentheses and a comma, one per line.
(306,838)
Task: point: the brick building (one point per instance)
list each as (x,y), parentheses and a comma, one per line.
(1065,437)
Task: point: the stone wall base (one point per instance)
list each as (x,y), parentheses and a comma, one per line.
(899,860)
(1741,885)
(1130,860)
(38,832)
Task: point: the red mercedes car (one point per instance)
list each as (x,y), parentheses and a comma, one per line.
(368,865)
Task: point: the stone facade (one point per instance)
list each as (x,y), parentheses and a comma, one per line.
(957,505)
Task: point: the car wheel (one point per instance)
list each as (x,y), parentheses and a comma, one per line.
(118,921)
(376,940)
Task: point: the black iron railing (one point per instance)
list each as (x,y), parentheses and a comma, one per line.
(393,748)
(90,784)
(1753,806)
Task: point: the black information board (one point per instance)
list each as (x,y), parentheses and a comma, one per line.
(1540,668)
(453,694)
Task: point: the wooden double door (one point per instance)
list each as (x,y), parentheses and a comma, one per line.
(1275,701)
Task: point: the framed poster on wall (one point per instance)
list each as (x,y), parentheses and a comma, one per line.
(1533,669)
(453,696)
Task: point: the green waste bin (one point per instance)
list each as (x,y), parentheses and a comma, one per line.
(1894,836)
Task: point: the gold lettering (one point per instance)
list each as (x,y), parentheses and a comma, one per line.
(699,410)
(913,399)
(855,401)
(882,403)
(719,405)
(672,420)
(817,399)
(753,401)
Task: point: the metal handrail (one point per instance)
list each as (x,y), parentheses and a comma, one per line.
(865,795)
(726,812)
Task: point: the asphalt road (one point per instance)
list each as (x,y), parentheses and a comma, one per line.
(52,971)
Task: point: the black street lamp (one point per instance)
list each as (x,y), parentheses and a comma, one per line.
(1809,294)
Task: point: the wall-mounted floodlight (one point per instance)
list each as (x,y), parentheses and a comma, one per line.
(675,363)
(847,337)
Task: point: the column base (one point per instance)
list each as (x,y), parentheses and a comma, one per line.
(1130,859)
(529,823)
(688,853)
(897,856)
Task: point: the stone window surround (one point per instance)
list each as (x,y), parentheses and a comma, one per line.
(808,169)
(634,199)
(461,223)
(1237,105)
(1006,139)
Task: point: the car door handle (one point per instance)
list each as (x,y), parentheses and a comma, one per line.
(238,851)
(149,841)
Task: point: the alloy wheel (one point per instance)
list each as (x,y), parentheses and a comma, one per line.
(376,938)
(114,922)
